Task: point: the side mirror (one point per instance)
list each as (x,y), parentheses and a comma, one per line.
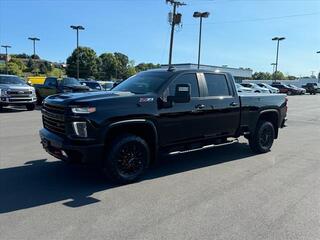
(182,93)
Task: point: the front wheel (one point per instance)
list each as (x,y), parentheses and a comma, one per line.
(127,158)
(30,107)
(262,139)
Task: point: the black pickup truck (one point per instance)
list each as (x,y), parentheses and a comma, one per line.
(53,85)
(157,111)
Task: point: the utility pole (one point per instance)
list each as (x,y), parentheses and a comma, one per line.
(77,28)
(278,39)
(34,39)
(273,67)
(176,19)
(6,47)
(200,15)
(319,72)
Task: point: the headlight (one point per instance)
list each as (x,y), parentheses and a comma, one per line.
(80,129)
(3,92)
(83,110)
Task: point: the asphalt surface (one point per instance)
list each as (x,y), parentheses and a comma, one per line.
(223,193)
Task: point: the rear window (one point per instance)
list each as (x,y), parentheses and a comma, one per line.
(217,85)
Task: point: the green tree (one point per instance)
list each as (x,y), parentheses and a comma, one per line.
(55,72)
(145,66)
(42,68)
(107,66)
(122,65)
(88,63)
(279,76)
(261,76)
(14,68)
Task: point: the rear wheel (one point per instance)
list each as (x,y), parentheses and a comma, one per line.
(30,107)
(127,158)
(262,139)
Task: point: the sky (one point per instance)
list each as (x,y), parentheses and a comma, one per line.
(237,33)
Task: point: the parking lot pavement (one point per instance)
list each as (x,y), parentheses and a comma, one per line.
(223,193)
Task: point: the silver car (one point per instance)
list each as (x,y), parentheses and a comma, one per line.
(255,88)
(271,89)
(14,91)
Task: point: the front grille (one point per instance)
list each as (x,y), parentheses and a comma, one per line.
(53,118)
(19,92)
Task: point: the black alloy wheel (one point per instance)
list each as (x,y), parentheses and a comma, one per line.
(127,158)
(262,140)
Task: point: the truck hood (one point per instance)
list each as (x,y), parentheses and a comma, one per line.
(83,97)
(16,86)
(77,88)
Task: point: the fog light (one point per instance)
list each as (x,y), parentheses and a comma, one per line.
(64,154)
(80,129)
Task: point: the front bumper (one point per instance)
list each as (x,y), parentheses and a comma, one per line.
(17,100)
(62,148)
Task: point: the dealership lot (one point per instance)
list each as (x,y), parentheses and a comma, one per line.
(223,193)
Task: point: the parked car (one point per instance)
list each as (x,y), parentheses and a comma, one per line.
(53,85)
(14,91)
(312,88)
(283,88)
(255,88)
(159,111)
(271,89)
(93,85)
(300,90)
(243,89)
(106,85)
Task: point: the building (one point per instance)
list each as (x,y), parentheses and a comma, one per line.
(239,74)
(3,58)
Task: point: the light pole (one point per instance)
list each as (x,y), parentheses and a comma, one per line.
(176,19)
(77,28)
(273,67)
(278,39)
(34,39)
(319,72)
(200,15)
(6,47)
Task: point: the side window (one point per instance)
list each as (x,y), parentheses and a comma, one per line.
(217,85)
(50,82)
(189,78)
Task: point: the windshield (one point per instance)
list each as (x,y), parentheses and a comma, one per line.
(11,80)
(144,82)
(92,85)
(70,81)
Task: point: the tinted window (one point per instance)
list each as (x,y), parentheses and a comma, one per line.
(144,82)
(70,82)
(217,85)
(190,79)
(51,82)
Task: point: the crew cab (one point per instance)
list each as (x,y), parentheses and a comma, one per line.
(157,111)
(15,92)
(53,85)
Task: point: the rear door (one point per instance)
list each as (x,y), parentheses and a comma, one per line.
(222,116)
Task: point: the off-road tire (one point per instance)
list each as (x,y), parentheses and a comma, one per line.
(117,160)
(262,139)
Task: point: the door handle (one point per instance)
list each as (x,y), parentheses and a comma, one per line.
(233,104)
(200,106)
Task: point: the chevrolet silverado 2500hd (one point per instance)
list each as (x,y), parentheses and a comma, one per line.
(168,111)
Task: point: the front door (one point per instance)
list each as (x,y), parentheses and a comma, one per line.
(183,121)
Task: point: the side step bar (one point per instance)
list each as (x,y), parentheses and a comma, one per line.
(205,147)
